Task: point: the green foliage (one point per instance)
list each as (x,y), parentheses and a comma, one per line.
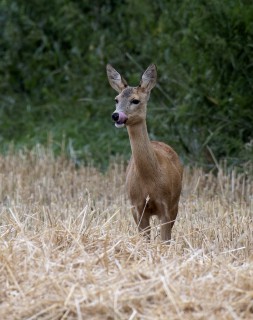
(53,84)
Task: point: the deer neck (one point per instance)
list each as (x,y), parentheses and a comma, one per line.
(142,151)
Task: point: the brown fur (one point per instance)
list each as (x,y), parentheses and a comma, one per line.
(154,173)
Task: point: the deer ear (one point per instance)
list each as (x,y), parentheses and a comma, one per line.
(117,82)
(148,78)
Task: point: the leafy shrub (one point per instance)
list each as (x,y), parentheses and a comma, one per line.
(53,81)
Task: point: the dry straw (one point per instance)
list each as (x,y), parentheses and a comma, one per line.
(69,248)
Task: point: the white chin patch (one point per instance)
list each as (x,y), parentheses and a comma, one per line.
(119,125)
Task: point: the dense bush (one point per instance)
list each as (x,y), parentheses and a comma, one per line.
(53,84)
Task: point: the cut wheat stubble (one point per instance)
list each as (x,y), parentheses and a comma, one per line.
(70,249)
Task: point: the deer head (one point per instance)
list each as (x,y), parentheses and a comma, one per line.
(131,102)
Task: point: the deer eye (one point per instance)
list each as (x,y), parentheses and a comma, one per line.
(135,101)
(116,100)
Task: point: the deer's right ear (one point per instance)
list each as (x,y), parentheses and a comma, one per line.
(117,82)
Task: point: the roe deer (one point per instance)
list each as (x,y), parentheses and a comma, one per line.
(154,173)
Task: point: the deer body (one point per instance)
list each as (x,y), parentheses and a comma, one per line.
(154,173)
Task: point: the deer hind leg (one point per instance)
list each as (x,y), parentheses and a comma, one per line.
(142,222)
(167,222)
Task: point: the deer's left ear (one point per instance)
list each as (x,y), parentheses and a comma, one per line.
(149,77)
(116,81)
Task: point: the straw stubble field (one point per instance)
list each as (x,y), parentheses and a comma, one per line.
(70,249)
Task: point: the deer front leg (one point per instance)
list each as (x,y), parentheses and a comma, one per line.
(165,229)
(142,222)
(167,222)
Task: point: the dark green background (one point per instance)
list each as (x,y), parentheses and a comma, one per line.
(54,90)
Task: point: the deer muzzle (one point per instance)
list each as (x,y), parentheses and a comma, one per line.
(119,118)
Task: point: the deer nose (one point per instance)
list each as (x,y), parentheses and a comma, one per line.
(115,116)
